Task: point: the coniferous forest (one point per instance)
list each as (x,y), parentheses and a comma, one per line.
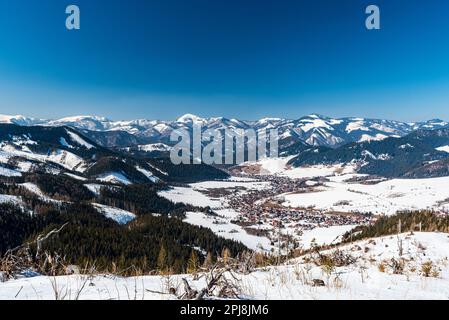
(156,241)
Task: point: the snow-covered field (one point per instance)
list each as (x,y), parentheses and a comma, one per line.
(195,193)
(336,195)
(222,226)
(191,196)
(280,166)
(232,183)
(370,276)
(324,235)
(386,197)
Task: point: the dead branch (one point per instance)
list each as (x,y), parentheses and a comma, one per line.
(217,285)
(40,239)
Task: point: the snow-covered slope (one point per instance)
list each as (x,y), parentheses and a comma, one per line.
(114,177)
(369,272)
(25,147)
(118,215)
(383,198)
(393,157)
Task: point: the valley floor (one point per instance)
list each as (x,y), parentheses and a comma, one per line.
(309,204)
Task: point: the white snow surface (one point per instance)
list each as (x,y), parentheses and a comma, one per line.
(118,215)
(361,280)
(76,138)
(114,177)
(280,167)
(63,158)
(193,195)
(94,188)
(443,148)
(324,235)
(377,137)
(221,226)
(5,172)
(37,191)
(147,174)
(386,197)
(190,196)
(64,143)
(76,177)
(249,185)
(4,198)
(154,147)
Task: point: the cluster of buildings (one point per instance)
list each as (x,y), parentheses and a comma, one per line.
(264,209)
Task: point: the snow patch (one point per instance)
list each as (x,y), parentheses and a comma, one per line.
(118,215)
(64,143)
(443,149)
(147,174)
(5,172)
(114,177)
(76,138)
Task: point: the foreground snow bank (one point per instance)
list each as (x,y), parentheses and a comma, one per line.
(370,276)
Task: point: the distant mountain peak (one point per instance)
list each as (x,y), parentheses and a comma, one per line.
(268,119)
(18,119)
(190,118)
(316,116)
(82,117)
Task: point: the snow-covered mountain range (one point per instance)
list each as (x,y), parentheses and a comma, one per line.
(66,151)
(316,130)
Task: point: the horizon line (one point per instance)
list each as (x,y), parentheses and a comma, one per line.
(3,116)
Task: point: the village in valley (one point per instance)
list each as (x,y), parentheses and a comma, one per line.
(274,208)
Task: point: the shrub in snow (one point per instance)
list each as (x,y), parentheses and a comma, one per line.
(428,269)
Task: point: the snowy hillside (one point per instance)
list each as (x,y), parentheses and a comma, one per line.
(370,269)
(387,197)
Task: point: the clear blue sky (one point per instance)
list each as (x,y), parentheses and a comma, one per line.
(235,58)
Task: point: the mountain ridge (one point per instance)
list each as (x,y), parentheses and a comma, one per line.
(421,154)
(314,129)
